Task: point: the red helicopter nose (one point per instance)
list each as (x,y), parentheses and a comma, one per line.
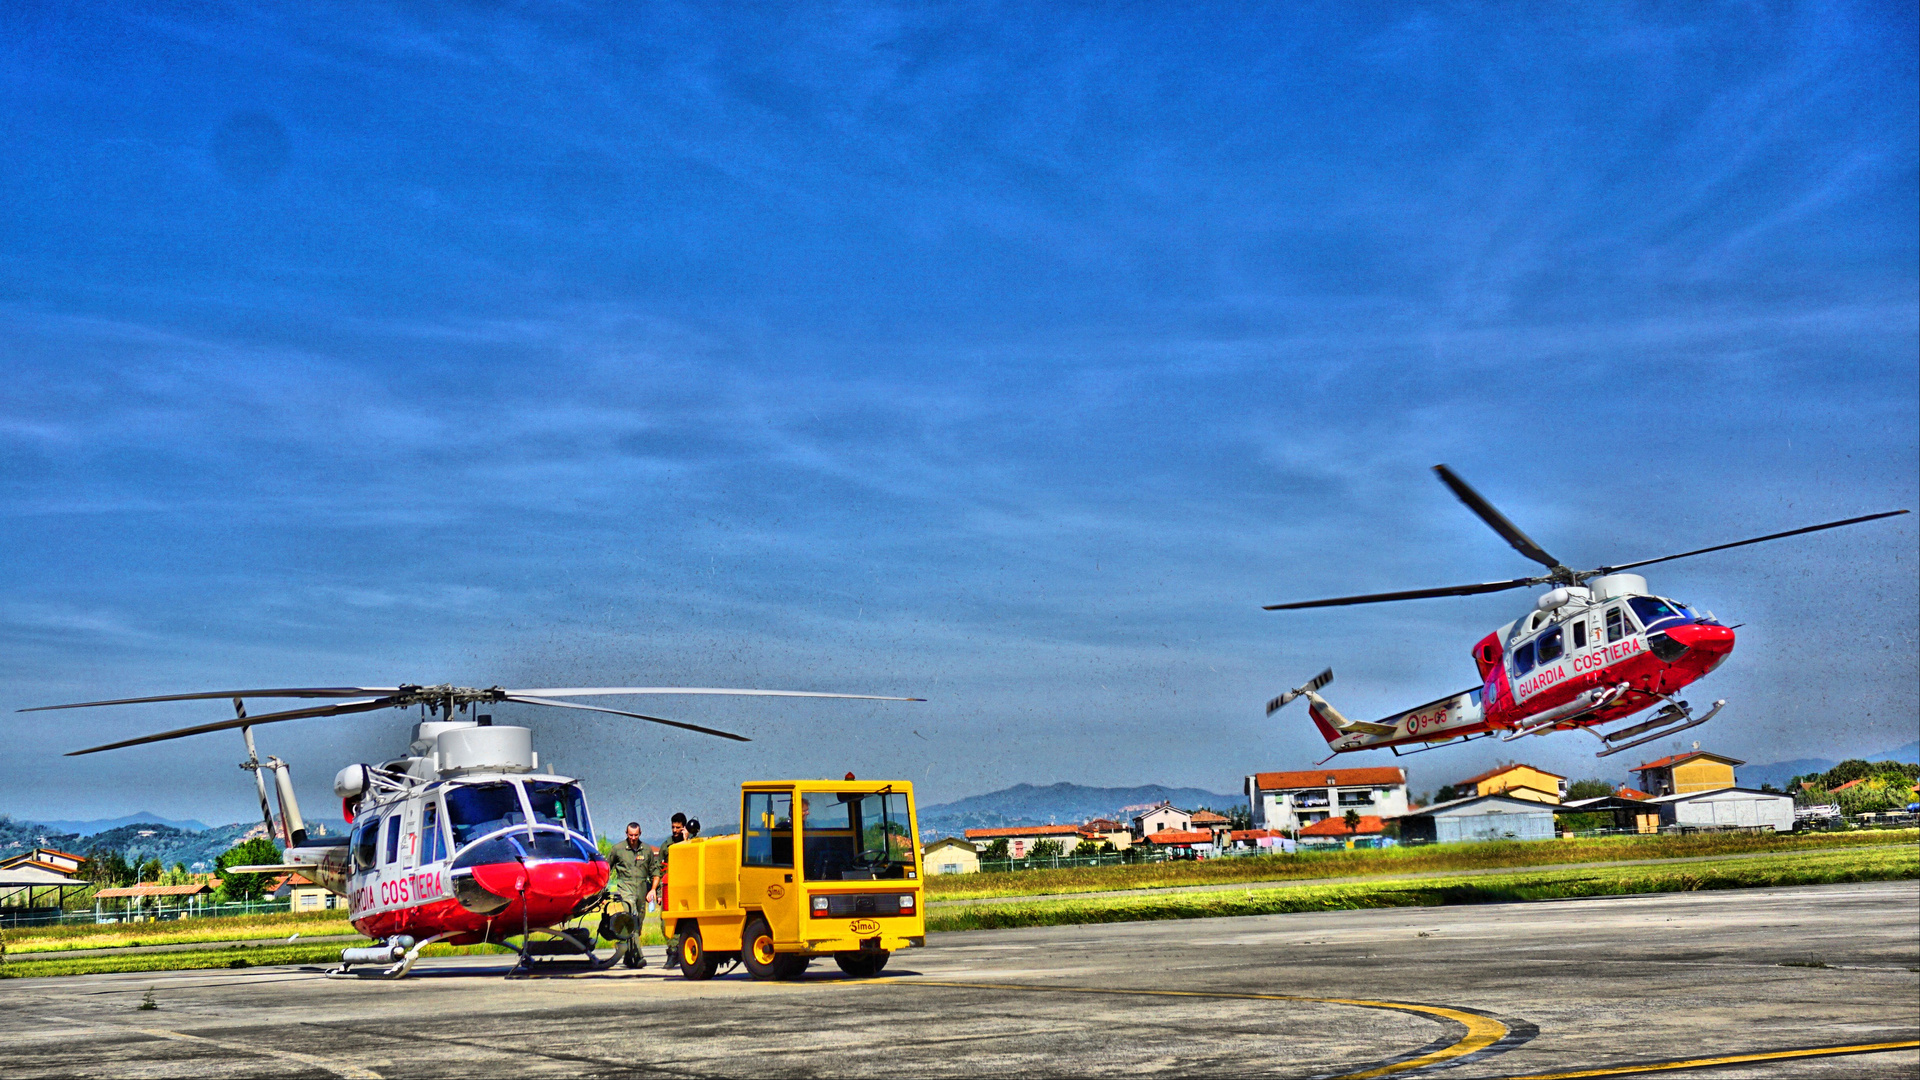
(1710,639)
(557,879)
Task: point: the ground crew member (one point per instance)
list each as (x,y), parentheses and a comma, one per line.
(637,866)
(677,831)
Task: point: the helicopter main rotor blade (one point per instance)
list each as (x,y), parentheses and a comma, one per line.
(211,695)
(1743,543)
(526,700)
(590,691)
(1410,594)
(1508,531)
(342,709)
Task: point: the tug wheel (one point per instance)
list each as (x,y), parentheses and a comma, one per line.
(861,965)
(690,953)
(756,953)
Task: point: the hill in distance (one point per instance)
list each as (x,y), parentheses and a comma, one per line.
(1779,772)
(100,825)
(1058,804)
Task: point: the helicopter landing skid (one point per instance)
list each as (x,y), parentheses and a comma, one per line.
(1677,711)
(561,949)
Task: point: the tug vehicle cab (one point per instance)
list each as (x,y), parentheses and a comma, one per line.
(819,868)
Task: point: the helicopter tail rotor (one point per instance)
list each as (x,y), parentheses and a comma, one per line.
(1314,683)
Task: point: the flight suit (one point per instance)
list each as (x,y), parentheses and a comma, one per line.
(636,868)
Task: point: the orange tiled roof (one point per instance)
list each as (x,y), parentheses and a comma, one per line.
(1030,830)
(1376,776)
(1491,773)
(1675,759)
(1206,817)
(1333,826)
(1169,836)
(1848,784)
(1629,793)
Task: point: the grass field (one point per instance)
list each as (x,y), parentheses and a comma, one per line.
(1391,861)
(34,939)
(1889,863)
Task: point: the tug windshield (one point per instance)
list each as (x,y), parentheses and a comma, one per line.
(474,810)
(856,836)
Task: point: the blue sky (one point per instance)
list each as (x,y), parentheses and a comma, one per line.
(1006,356)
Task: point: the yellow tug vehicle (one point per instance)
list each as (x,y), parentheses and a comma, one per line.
(819,868)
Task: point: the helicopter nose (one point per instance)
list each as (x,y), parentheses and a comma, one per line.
(1703,647)
(555,879)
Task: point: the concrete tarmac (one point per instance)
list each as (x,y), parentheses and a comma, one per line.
(1761,983)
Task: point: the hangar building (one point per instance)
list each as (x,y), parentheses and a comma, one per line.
(1483,817)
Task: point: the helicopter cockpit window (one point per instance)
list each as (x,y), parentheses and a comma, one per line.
(1523,659)
(1653,611)
(559,804)
(474,810)
(366,843)
(1549,646)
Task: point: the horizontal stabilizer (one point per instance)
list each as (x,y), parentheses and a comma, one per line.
(1368,728)
(272,868)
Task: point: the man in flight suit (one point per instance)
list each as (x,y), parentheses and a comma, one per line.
(637,866)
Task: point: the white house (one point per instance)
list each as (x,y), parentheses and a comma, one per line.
(1294,800)
(1165,817)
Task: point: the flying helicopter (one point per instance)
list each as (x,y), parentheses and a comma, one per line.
(1597,648)
(462,838)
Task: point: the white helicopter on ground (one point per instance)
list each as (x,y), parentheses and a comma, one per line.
(463,838)
(1598,647)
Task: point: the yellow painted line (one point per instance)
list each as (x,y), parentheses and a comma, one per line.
(1727,1059)
(1482,1031)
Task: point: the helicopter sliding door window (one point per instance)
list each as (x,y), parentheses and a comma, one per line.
(1580,632)
(433,838)
(1549,646)
(767,827)
(393,839)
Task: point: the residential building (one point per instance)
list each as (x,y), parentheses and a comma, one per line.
(1725,808)
(45,858)
(1481,817)
(1268,840)
(1021,839)
(1108,831)
(1182,843)
(950,856)
(136,898)
(1520,781)
(1333,832)
(1683,774)
(1294,800)
(1163,817)
(1207,819)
